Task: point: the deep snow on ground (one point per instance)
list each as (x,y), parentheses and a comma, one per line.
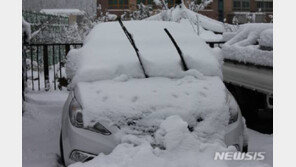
(41,130)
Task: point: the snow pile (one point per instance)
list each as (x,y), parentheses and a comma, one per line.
(243,46)
(111,17)
(62,12)
(181,12)
(182,149)
(266,38)
(107,53)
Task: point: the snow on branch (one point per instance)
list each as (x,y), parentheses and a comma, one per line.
(197,5)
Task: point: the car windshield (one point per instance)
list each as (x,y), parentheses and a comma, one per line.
(96,60)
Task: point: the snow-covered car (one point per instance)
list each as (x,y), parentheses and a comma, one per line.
(112,101)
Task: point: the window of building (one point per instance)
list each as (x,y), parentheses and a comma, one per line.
(241,5)
(145,2)
(118,4)
(171,3)
(266,6)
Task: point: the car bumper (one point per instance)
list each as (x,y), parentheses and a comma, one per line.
(235,135)
(92,143)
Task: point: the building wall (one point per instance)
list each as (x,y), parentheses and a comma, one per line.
(211,11)
(229,13)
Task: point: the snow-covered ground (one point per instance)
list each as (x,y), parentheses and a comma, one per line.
(41,130)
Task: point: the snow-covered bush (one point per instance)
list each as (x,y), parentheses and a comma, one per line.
(142,12)
(182,12)
(197,5)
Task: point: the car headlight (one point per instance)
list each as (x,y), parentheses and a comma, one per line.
(233,108)
(76,119)
(75,114)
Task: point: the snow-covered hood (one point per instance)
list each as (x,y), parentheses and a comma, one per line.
(140,105)
(107,53)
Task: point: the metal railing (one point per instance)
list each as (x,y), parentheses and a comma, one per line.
(45,65)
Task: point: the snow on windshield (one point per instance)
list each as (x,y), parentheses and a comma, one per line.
(107,53)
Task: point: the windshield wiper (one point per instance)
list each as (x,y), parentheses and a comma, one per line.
(130,38)
(185,67)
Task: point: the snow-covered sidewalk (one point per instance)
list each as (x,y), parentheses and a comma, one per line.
(41,130)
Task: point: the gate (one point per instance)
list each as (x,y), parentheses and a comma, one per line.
(45,65)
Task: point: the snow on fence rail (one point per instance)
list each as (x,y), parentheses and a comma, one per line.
(45,65)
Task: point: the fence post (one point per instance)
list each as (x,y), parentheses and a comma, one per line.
(46,67)
(67,48)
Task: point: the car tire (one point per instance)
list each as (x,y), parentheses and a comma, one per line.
(62,159)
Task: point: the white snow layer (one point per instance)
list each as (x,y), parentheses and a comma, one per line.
(177,13)
(243,46)
(107,53)
(26,28)
(41,124)
(149,101)
(266,38)
(62,12)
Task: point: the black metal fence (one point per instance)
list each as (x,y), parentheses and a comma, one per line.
(45,65)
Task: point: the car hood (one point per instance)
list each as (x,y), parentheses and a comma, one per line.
(144,103)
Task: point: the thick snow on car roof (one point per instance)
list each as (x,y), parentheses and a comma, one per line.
(107,53)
